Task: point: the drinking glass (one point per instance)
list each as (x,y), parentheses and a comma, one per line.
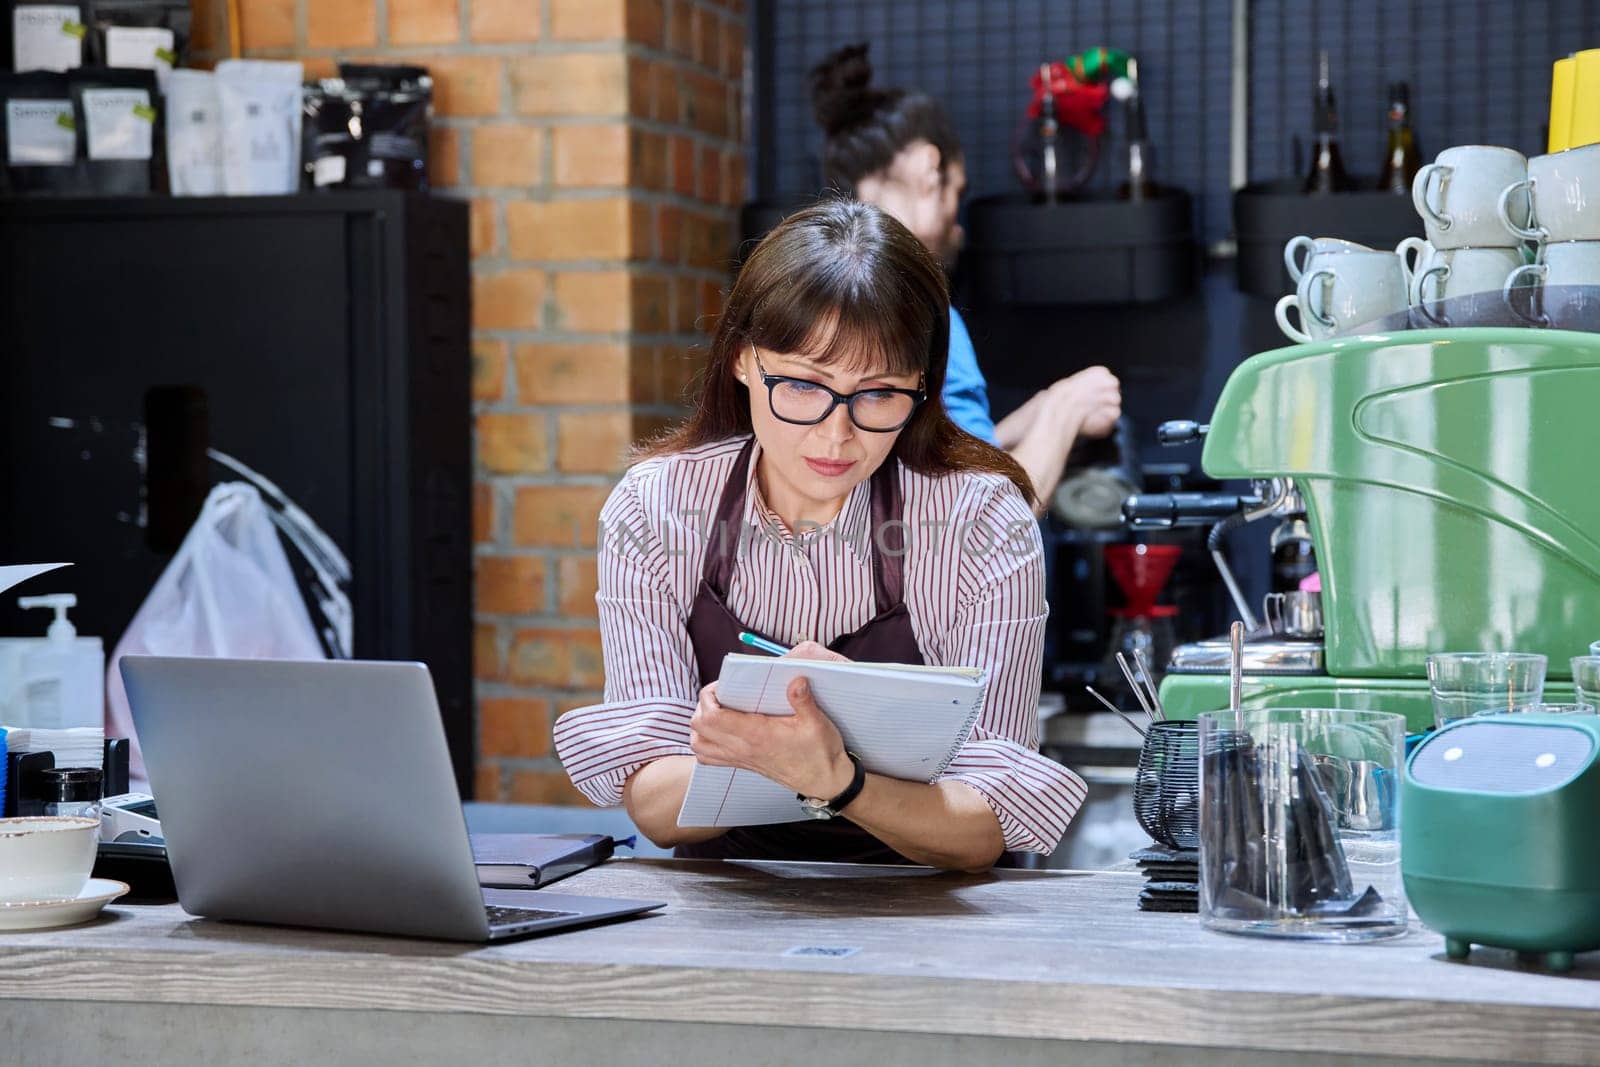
(1465,683)
(1586,678)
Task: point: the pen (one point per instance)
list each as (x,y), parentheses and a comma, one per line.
(763,644)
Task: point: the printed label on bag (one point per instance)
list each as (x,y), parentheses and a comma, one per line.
(329,170)
(35,136)
(43,37)
(113,126)
(145,47)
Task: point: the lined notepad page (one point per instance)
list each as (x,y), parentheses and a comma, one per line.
(903,721)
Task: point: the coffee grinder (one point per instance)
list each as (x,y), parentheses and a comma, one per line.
(1141,629)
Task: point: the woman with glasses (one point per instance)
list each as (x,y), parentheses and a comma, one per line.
(820,496)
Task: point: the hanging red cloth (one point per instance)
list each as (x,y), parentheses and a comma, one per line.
(1080,105)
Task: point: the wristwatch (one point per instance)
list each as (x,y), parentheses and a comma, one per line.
(829,809)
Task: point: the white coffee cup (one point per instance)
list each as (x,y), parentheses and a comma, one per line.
(1343,292)
(1565,190)
(1560,264)
(1447,273)
(46,857)
(1314,247)
(1458,196)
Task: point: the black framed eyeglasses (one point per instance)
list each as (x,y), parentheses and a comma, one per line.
(806,403)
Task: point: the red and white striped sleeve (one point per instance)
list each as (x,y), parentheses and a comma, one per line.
(652,684)
(999,625)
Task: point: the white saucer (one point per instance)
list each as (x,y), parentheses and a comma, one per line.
(43,914)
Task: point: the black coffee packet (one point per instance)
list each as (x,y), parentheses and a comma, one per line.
(146,34)
(39,136)
(119,129)
(368,128)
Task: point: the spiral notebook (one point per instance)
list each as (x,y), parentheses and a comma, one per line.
(903,722)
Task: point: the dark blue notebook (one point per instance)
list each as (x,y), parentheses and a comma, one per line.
(533,861)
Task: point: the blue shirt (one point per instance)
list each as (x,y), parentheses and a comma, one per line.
(966,394)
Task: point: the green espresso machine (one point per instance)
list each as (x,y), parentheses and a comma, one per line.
(1451,483)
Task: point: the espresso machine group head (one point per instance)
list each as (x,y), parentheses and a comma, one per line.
(1445,477)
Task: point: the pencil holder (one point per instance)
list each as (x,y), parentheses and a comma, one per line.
(1166,791)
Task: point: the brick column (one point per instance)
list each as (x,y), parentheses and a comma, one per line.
(599,144)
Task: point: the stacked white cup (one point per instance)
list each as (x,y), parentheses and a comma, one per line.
(1469,215)
(1556,205)
(1339,286)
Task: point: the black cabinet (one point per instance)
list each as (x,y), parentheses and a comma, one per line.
(323,340)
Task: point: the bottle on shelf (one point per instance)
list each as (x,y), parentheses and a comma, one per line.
(1139,186)
(1327,163)
(1401,159)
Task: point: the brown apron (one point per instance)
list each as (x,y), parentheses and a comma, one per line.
(886,638)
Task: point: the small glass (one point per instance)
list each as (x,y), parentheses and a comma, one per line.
(1586,678)
(1300,823)
(72,791)
(1541,709)
(1594,648)
(1465,683)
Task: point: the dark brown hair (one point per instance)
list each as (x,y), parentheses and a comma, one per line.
(867,127)
(841,282)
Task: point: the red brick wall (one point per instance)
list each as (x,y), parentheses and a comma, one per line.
(599,144)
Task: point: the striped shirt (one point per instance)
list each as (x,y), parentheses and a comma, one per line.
(974,586)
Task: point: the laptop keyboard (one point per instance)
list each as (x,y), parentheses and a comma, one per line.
(499,916)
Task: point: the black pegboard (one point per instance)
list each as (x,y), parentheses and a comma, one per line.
(1479,72)
(976,57)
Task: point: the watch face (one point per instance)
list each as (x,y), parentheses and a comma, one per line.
(816,809)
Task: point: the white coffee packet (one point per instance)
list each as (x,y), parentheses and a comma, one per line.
(194,134)
(40,133)
(118,123)
(146,47)
(46,37)
(260,107)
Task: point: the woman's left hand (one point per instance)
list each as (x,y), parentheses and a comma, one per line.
(803,751)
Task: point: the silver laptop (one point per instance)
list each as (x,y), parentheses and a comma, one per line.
(320,793)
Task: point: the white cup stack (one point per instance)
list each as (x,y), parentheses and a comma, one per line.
(1481,206)
(1339,287)
(1556,205)
(1472,246)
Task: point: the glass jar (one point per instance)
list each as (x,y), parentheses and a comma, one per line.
(72,791)
(1300,823)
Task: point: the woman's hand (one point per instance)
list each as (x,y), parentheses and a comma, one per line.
(802,752)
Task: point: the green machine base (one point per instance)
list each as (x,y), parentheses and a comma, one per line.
(1186,695)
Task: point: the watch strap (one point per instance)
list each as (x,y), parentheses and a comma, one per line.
(851,791)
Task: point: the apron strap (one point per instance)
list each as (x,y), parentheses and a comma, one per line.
(722,547)
(888,542)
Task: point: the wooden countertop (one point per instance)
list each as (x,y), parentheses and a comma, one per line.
(1051,955)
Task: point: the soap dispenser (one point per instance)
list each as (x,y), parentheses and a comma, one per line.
(60,679)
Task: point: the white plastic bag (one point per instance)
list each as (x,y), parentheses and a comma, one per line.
(260,103)
(194,134)
(227,592)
